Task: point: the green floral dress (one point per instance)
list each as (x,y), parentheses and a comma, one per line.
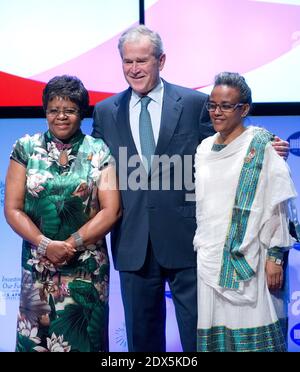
(63,308)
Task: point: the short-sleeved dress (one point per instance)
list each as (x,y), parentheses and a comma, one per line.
(63,308)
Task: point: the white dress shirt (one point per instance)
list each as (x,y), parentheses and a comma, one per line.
(154,108)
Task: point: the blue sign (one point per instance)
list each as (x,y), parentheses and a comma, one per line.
(294,141)
(295,334)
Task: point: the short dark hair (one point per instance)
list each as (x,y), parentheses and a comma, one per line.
(67,87)
(235,80)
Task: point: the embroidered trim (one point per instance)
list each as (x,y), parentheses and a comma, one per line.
(267,338)
(235,268)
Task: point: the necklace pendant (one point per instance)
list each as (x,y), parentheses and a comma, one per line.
(63,158)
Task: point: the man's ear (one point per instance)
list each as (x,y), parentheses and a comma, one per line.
(162,60)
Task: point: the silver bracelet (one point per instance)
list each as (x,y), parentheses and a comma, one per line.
(42,247)
(78,241)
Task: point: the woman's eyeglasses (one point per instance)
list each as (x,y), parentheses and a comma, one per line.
(224,107)
(65,112)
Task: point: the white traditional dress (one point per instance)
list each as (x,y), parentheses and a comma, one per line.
(242,192)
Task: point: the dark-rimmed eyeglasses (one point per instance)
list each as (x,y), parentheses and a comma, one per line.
(66,112)
(224,107)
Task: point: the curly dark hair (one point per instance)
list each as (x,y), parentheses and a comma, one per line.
(67,87)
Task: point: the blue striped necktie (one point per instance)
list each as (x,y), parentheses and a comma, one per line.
(146,132)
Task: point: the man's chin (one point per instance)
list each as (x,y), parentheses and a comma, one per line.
(137,86)
(138,89)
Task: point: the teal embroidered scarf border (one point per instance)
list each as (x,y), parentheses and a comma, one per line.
(268,338)
(234,266)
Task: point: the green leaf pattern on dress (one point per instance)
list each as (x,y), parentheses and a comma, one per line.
(67,306)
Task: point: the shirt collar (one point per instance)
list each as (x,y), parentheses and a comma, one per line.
(155,94)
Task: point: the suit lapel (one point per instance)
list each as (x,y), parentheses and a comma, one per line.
(121,116)
(171,112)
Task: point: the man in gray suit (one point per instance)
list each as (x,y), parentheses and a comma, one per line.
(153,242)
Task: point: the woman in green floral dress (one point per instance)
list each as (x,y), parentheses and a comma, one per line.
(62,198)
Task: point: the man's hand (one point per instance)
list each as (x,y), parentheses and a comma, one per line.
(281,147)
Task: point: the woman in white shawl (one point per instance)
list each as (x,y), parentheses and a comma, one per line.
(243,188)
